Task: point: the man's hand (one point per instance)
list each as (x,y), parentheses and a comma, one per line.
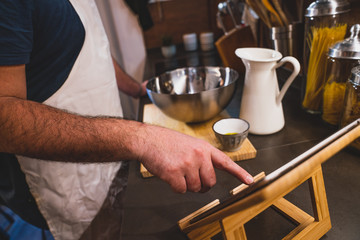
(186,163)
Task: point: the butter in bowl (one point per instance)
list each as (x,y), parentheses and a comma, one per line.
(231,133)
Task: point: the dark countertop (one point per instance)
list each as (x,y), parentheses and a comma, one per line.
(152,209)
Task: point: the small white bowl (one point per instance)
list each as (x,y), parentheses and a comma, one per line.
(231,133)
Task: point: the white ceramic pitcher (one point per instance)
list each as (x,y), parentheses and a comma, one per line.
(261,99)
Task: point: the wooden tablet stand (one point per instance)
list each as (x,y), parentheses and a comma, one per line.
(230,220)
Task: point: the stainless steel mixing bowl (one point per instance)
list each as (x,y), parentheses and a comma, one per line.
(193,94)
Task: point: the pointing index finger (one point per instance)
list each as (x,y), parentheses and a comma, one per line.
(223,162)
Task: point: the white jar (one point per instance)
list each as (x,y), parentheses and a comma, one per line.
(207,41)
(190,41)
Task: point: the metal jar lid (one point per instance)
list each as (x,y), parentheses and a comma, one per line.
(349,48)
(355,75)
(327,7)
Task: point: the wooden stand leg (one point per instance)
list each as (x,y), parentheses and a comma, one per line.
(321,223)
(295,215)
(235,234)
(308,227)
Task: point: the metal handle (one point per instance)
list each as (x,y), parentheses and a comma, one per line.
(220,22)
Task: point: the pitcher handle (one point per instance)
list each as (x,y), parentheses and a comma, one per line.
(292,77)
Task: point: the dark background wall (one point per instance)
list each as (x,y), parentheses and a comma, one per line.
(177,17)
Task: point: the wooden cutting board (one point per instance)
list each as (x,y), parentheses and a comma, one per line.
(153,115)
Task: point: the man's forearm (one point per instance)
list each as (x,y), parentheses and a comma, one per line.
(36,130)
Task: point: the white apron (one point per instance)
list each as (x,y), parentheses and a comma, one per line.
(127,43)
(69,195)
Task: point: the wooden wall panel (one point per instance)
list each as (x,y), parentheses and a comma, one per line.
(178,17)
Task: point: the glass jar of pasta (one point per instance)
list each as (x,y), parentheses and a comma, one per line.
(342,57)
(324,26)
(351,110)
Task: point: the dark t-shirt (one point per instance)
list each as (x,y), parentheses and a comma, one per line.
(47,36)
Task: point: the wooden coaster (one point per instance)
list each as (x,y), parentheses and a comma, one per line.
(153,115)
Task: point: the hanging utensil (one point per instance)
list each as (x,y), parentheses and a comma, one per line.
(260,10)
(234,13)
(160,10)
(228,8)
(220,22)
(239,36)
(269,7)
(222,8)
(282,15)
(222,11)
